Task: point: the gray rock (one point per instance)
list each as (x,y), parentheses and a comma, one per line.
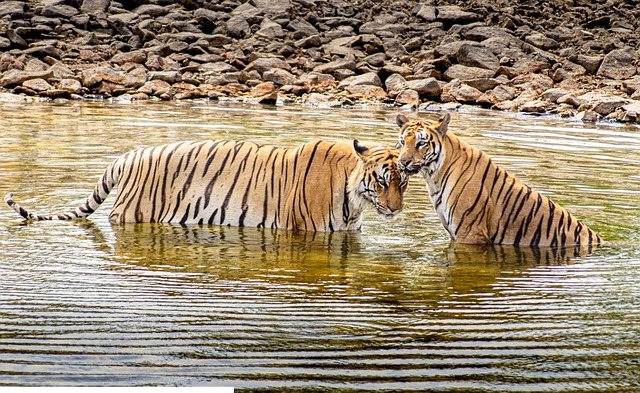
(477,56)
(462,72)
(251,14)
(238,27)
(330,68)
(59,10)
(482,84)
(370,78)
(152,10)
(301,28)
(170,77)
(219,67)
(279,76)
(393,48)
(454,14)
(94,6)
(554,94)
(12,8)
(394,84)
(427,12)
(308,42)
(450,49)
(273,7)
(590,63)
(541,41)
(619,64)
(481,33)
(270,30)
(267,63)
(5,43)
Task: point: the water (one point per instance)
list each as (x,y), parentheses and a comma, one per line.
(395,308)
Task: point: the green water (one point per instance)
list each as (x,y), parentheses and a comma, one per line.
(394,308)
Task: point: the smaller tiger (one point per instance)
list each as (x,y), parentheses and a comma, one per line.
(477,201)
(318,186)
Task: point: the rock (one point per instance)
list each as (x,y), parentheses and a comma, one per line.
(18,77)
(308,42)
(238,27)
(266,63)
(94,6)
(12,8)
(71,86)
(59,10)
(554,94)
(218,67)
(393,48)
(301,28)
(425,87)
(322,100)
(619,64)
(331,67)
(427,12)
(588,116)
(455,15)
(460,92)
(395,84)
(263,89)
(274,7)
(535,106)
(608,106)
(477,56)
(138,56)
(541,41)
(569,99)
(270,30)
(370,79)
(482,84)
(590,63)
(37,84)
(170,77)
(279,76)
(408,97)
(367,91)
(459,71)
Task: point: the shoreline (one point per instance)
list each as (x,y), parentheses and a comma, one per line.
(568,59)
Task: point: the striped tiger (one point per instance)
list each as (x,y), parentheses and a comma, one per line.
(477,201)
(318,186)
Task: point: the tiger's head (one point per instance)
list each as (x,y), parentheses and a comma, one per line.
(377,179)
(420,143)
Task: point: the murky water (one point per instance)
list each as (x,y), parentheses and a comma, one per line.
(394,308)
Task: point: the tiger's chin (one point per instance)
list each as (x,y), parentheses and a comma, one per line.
(387,213)
(411,169)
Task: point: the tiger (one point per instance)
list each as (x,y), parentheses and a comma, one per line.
(477,201)
(317,186)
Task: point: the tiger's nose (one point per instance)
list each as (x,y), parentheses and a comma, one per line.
(404,163)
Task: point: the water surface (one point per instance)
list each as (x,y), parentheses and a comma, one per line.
(394,308)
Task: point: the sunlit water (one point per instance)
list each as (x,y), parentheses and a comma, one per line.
(394,308)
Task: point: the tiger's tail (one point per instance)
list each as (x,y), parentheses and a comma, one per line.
(94,200)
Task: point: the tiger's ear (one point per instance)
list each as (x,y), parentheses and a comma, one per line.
(401,120)
(443,124)
(360,149)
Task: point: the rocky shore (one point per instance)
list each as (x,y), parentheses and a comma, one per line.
(575,58)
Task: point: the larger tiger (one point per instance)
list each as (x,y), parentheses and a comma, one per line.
(477,201)
(318,186)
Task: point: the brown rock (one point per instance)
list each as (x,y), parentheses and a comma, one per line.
(459,71)
(17,77)
(266,63)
